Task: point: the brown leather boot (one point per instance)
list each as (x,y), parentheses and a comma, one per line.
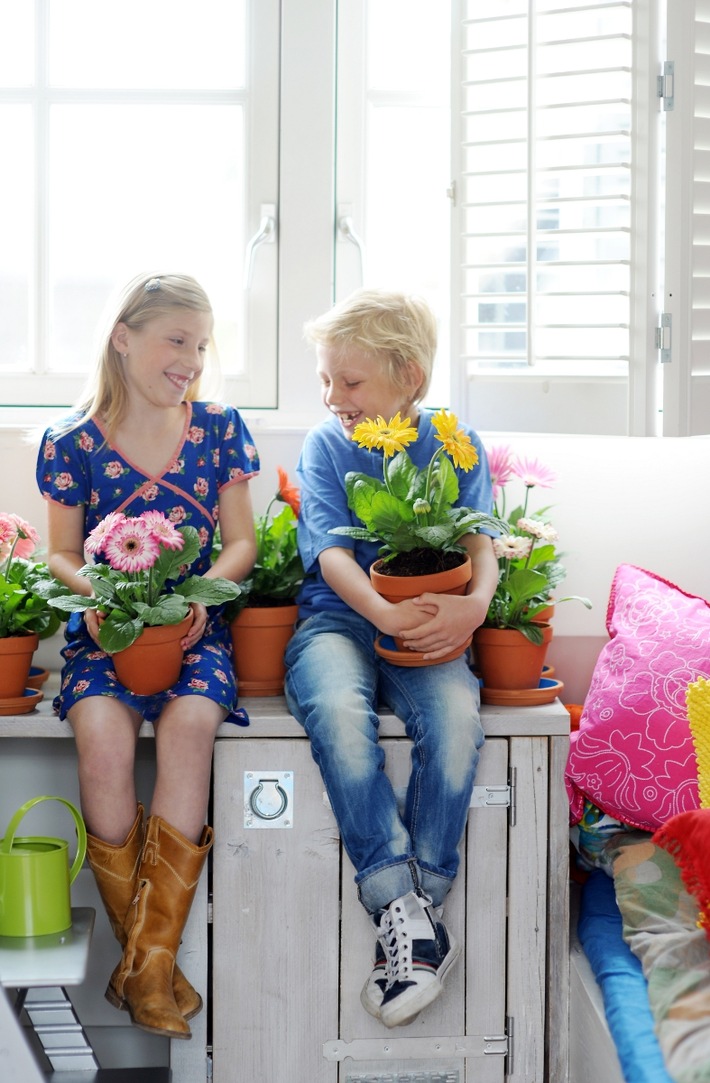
(115,869)
(166,883)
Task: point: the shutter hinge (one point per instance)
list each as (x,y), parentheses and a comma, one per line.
(210,910)
(664,336)
(451,193)
(208,1064)
(665,85)
(509,1031)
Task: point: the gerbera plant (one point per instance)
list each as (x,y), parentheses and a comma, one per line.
(528,562)
(412,509)
(26,584)
(143,581)
(278,571)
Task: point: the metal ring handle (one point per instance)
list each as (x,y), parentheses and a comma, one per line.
(255,793)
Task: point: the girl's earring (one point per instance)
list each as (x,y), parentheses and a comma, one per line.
(124,356)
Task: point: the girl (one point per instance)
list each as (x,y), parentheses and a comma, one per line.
(375,352)
(140,440)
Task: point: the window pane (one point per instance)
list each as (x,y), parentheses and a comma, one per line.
(162,43)
(163,188)
(17,47)
(16,231)
(394,83)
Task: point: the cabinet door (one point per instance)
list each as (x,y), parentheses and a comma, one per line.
(276,916)
(287,973)
(474,997)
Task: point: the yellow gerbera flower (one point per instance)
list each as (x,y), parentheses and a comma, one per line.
(392,436)
(456,443)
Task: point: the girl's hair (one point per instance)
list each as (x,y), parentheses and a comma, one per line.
(397,328)
(145,298)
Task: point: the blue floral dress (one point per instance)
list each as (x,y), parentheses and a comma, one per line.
(81,467)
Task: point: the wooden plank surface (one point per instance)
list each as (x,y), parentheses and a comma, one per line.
(275,923)
(527,907)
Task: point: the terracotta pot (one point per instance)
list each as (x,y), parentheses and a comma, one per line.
(545,615)
(260,635)
(15,661)
(505,658)
(153,663)
(396,588)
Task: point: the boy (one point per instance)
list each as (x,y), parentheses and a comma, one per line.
(375,353)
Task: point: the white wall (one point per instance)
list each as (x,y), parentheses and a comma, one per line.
(618,499)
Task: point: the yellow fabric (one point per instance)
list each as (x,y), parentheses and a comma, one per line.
(698,702)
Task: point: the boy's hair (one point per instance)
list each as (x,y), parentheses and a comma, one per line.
(144,298)
(398,328)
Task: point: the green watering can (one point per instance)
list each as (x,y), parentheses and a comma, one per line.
(35,877)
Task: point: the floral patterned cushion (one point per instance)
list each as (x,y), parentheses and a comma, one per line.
(633,755)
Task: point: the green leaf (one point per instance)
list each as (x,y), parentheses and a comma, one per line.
(207,591)
(119,631)
(170,609)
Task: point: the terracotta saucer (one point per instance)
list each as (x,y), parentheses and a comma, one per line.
(37,677)
(547,690)
(21,704)
(385,647)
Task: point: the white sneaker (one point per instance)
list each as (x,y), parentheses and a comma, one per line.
(374,988)
(419,952)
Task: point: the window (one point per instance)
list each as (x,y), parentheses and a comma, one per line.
(142,137)
(506,160)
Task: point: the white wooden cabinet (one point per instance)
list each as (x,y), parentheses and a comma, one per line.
(292,946)
(289,946)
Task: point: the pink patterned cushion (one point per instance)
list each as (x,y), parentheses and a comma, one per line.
(633,755)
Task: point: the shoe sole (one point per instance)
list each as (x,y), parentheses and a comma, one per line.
(423,999)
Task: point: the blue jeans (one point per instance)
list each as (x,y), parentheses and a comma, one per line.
(334,683)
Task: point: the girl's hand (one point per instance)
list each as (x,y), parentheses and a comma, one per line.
(197,628)
(93,620)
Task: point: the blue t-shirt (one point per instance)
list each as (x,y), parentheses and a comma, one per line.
(327,456)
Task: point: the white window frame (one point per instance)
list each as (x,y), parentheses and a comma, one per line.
(257,384)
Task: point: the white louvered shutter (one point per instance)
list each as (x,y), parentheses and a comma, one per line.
(544,197)
(686,376)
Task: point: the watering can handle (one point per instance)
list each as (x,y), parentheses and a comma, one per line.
(6,844)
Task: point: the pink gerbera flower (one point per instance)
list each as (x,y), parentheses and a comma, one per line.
(163,530)
(131,547)
(500,464)
(532,472)
(14,530)
(97,537)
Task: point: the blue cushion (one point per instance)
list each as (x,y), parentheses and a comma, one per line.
(622,983)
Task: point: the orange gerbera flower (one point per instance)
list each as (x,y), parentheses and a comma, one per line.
(289,493)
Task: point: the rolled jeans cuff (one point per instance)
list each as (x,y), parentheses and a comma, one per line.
(378,888)
(435,884)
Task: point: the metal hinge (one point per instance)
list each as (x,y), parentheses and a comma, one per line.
(665,85)
(509,1032)
(465,1045)
(208,1064)
(210,909)
(496,797)
(664,335)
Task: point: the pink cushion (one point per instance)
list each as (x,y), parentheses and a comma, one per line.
(633,755)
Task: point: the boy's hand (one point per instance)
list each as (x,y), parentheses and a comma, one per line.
(450,621)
